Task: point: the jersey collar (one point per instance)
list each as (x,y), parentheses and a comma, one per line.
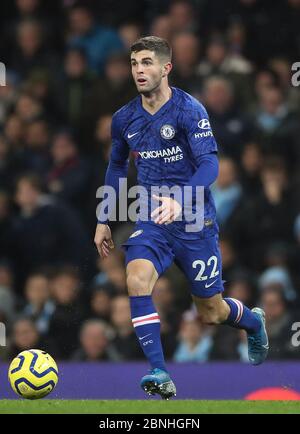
(163,108)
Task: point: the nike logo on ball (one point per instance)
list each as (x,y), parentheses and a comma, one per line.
(131,135)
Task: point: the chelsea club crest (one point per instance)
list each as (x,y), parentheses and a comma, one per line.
(167,132)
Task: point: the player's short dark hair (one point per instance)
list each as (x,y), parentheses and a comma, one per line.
(158,45)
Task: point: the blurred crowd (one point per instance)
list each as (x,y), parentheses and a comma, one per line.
(67,72)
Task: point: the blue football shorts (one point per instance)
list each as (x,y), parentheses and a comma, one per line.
(199,259)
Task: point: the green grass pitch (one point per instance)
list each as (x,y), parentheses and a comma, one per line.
(147,407)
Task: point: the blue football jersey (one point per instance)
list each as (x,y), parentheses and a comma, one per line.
(167,147)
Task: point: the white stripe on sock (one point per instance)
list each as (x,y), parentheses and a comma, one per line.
(152,321)
(144,316)
(240,309)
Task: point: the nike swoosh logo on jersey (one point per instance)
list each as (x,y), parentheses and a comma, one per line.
(131,135)
(210,284)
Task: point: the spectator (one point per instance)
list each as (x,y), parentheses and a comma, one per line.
(276,126)
(113,271)
(39,306)
(28,108)
(8,302)
(102,154)
(97,41)
(231,128)
(44,232)
(95,346)
(195,342)
(267,219)
(37,139)
(68,178)
(71,94)
(278,278)
(282,67)
(215,57)
(165,301)
(230,261)
(28,8)
(116,12)
(114,89)
(220,61)
(69,313)
(103,139)
(37,10)
(236,36)
(264,79)
(25,336)
(295,252)
(112,262)
(98,163)
(278,254)
(230,344)
(125,339)
(186,51)
(251,163)
(279,320)
(182,16)
(162,27)
(292,30)
(5,216)
(14,132)
(5,164)
(129,33)
(262,22)
(100,303)
(8,95)
(170,315)
(31,54)
(41,87)
(242,287)
(227,191)
(223,59)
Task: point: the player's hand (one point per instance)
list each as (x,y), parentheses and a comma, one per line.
(103,240)
(167,212)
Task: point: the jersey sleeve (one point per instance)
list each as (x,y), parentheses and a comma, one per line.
(120,148)
(198,132)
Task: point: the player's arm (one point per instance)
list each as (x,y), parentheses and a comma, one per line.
(207,171)
(116,170)
(204,176)
(203,148)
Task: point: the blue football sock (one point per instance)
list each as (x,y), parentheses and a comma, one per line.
(146,324)
(241,317)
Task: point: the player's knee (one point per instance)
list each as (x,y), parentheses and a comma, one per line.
(137,285)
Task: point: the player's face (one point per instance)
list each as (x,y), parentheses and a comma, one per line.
(147,71)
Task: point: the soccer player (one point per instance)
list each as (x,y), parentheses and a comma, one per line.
(169,133)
